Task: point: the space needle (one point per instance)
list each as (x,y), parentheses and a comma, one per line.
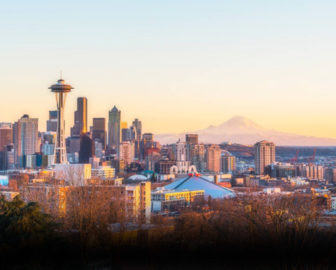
(60,89)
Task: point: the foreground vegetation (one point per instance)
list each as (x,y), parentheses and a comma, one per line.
(260,233)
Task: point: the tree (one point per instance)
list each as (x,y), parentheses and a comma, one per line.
(24,223)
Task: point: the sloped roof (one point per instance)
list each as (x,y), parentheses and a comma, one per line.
(201,183)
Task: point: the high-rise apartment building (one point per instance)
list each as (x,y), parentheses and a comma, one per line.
(214,158)
(191,138)
(191,141)
(199,157)
(25,139)
(7,156)
(127,152)
(114,129)
(6,135)
(180,151)
(127,134)
(148,138)
(146,143)
(228,162)
(80,125)
(6,140)
(99,131)
(264,155)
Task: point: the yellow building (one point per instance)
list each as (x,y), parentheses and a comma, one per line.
(103,172)
(167,199)
(138,201)
(52,197)
(123,125)
(132,200)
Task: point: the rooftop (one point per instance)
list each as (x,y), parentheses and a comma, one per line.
(195,182)
(61,86)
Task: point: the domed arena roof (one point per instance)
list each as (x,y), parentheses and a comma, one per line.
(195,182)
(138,177)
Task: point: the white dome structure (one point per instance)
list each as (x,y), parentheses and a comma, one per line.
(138,177)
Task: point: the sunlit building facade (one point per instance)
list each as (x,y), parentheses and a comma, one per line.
(264,155)
(25,139)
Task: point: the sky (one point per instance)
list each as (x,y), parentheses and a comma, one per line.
(178,65)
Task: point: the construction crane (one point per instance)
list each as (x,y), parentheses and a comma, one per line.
(295,159)
(312,158)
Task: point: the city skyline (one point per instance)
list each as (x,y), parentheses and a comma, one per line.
(225,61)
(172,132)
(182,134)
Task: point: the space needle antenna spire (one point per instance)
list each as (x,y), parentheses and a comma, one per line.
(60,89)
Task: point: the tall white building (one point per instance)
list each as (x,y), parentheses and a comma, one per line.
(182,165)
(181,151)
(25,132)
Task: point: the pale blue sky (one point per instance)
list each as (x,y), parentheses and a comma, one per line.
(176,65)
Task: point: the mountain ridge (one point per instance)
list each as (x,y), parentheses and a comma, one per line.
(242,130)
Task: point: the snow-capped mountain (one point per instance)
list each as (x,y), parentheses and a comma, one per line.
(244,131)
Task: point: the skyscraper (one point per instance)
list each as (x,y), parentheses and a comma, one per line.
(228,162)
(25,139)
(214,158)
(6,135)
(127,134)
(137,129)
(191,142)
(127,152)
(180,151)
(7,156)
(264,154)
(99,131)
(114,129)
(60,89)
(52,121)
(146,143)
(191,138)
(199,157)
(6,139)
(80,125)
(86,148)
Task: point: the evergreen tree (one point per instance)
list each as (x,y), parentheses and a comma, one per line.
(23,223)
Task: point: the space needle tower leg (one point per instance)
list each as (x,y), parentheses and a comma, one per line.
(60,149)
